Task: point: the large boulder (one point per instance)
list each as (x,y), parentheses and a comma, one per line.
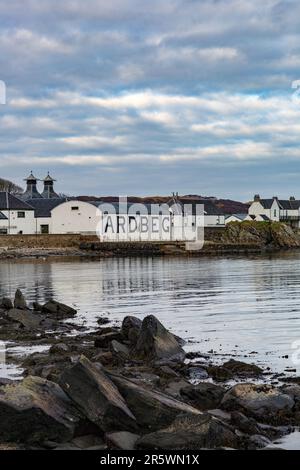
(26,318)
(155,342)
(97,396)
(59,310)
(191,432)
(261,401)
(35,410)
(20,301)
(204,396)
(131,327)
(151,408)
(6,304)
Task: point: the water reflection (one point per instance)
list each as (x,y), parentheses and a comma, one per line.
(226,304)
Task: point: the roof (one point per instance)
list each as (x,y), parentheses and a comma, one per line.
(8,201)
(2,216)
(264,217)
(240,216)
(43,207)
(189,209)
(49,178)
(289,204)
(266,203)
(31,177)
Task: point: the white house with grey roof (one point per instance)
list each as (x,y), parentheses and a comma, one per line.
(276,210)
(16,216)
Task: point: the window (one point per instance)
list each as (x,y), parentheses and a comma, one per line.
(274,212)
(3,231)
(21,215)
(75,208)
(44,228)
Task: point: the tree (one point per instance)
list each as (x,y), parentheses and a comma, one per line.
(10,187)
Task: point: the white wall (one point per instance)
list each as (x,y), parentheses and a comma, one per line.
(65,219)
(16,225)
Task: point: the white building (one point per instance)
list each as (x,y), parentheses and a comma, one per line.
(16,216)
(35,212)
(276,210)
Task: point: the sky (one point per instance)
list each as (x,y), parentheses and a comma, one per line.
(131,97)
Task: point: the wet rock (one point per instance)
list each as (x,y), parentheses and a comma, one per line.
(119,349)
(261,401)
(123,440)
(87,441)
(97,396)
(104,357)
(196,373)
(35,410)
(242,369)
(59,348)
(257,441)
(243,423)
(152,409)
(156,342)
(20,301)
(59,310)
(104,340)
(37,307)
(204,396)
(293,391)
(26,318)
(6,304)
(131,327)
(191,432)
(174,387)
(234,369)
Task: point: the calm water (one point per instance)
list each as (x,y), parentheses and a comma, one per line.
(231,305)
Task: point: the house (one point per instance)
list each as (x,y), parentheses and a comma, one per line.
(276,210)
(16,216)
(235,218)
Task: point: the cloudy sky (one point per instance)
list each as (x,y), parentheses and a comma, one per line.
(148,97)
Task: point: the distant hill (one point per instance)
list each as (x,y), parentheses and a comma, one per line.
(227,206)
(10,187)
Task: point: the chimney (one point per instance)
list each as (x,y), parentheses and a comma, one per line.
(31,188)
(49,192)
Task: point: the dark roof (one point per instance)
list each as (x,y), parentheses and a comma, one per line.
(264,217)
(8,201)
(289,204)
(31,177)
(266,203)
(43,207)
(2,216)
(209,207)
(49,178)
(240,216)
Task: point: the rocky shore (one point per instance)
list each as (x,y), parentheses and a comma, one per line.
(132,387)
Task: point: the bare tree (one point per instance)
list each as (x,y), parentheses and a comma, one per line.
(10,187)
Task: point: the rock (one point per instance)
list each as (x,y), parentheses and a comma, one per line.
(123,440)
(119,349)
(152,409)
(233,369)
(58,309)
(59,348)
(243,369)
(87,441)
(166,371)
(191,432)
(131,327)
(244,424)
(35,410)
(155,342)
(204,396)
(258,441)
(294,392)
(37,307)
(104,357)
(260,401)
(146,378)
(6,304)
(174,387)
(97,396)
(20,301)
(26,318)
(104,340)
(197,373)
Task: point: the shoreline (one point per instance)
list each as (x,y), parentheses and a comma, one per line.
(144,360)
